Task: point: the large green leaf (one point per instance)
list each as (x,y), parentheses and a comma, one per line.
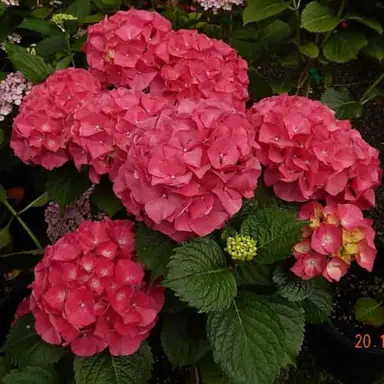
(344,46)
(33,67)
(51,45)
(253,274)
(276,232)
(342,103)
(183,338)
(309,49)
(290,286)
(369,311)
(105,199)
(25,348)
(199,274)
(31,375)
(375,48)
(107,369)
(274,33)
(317,17)
(65,185)
(291,316)
(154,249)
(79,9)
(257,10)
(247,340)
(318,305)
(41,26)
(370,22)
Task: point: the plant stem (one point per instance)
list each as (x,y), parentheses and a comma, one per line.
(297,14)
(32,252)
(69,48)
(22,223)
(373,85)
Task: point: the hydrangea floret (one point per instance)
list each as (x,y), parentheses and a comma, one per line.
(338,234)
(90,291)
(241,247)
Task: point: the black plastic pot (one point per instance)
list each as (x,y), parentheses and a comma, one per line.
(342,359)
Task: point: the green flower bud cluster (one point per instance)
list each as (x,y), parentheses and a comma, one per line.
(59,18)
(241,247)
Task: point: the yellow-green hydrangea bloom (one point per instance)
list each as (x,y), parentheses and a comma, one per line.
(241,248)
(59,18)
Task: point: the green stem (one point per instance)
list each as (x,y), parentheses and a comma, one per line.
(374,85)
(32,252)
(69,48)
(339,13)
(22,223)
(297,14)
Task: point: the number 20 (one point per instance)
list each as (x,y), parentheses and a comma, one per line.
(363,341)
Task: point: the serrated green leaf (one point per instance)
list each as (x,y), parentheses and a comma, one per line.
(105,199)
(369,311)
(374,93)
(94,18)
(276,232)
(291,316)
(25,348)
(328,79)
(291,60)
(290,286)
(183,338)
(246,42)
(41,13)
(253,274)
(51,45)
(154,249)
(375,48)
(317,17)
(31,375)
(80,9)
(33,67)
(199,274)
(65,185)
(210,371)
(257,10)
(247,340)
(282,86)
(342,103)
(41,26)
(107,369)
(369,22)
(344,46)
(274,33)
(318,305)
(309,49)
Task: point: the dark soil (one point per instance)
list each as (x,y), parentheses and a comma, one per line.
(353,286)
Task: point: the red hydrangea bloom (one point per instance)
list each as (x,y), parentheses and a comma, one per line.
(41,129)
(102,128)
(189,175)
(308,154)
(120,49)
(90,293)
(198,67)
(337,235)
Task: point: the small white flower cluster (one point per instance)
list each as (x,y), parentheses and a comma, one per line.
(55,3)
(32,49)
(13,38)
(215,5)
(12,91)
(11,2)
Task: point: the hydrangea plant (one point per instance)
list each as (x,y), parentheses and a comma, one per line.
(158,122)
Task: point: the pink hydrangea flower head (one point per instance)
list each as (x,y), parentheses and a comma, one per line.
(340,235)
(309,154)
(22,309)
(188,176)
(309,265)
(90,292)
(196,67)
(42,128)
(120,49)
(103,127)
